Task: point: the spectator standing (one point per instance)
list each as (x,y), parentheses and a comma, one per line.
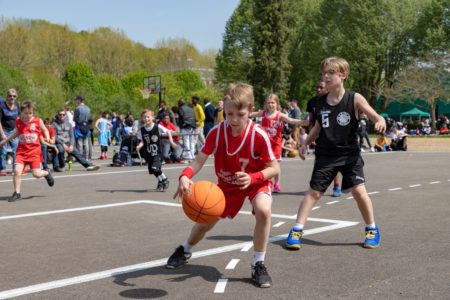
(199,138)
(209,117)
(116,127)
(65,142)
(362,130)
(9,112)
(187,121)
(163,109)
(103,126)
(81,118)
(219,115)
(46,145)
(294,112)
(69,115)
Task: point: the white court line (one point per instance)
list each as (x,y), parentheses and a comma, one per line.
(351,197)
(332,202)
(247,247)
(372,193)
(159,262)
(220,286)
(434,182)
(415,185)
(278,224)
(315,207)
(100,173)
(395,189)
(232,264)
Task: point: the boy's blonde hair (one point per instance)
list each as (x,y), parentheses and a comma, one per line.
(335,63)
(272,97)
(146,111)
(27,105)
(241,95)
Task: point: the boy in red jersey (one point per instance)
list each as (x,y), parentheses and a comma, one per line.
(244,164)
(28,129)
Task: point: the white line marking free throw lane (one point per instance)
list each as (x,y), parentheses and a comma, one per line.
(332,202)
(278,224)
(220,286)
(415,185)
(434,182)
(395,189)
(232,264)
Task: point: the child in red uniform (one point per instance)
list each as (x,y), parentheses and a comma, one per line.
(272,122)
(28,129)
(244,164)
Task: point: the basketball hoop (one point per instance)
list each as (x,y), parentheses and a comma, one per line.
(146,93)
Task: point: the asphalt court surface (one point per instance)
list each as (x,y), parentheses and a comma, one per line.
(107,235)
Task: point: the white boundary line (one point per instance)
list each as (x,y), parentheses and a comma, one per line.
(336,224)
(220,286)
(232,264)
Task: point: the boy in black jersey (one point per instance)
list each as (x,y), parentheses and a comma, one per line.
(150,138)
(337,149)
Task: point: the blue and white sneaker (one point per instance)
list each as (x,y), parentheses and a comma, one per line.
(336,192)
(372,238)
(294,240)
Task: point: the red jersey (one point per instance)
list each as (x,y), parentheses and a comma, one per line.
(274,128)
(171,127)
(29,144)
(248,152)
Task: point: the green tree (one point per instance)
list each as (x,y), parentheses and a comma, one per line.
(48,93)
(232,61)
(11,78)
(270,67)
(189,80)
(423,83)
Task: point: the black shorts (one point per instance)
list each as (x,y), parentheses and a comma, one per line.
(154,165)
(326,168)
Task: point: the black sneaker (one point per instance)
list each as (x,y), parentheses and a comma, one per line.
(165,183)
(14,197)
(178,258)
(260,275)
(49,178)
(160,186)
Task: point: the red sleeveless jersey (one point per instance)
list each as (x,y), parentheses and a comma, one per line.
(274,128)
(29,144)
(248,152)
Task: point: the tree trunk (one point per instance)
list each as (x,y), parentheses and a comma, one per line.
(433,115)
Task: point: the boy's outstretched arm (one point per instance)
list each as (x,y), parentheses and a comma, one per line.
(185,181)
(361,104)
(256,114)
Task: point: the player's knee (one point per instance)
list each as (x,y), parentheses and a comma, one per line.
(314,194)
(263,213)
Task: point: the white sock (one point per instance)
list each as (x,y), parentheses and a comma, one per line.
(187,247)
(162,177)
(258,256)
(298,227)
(371,226)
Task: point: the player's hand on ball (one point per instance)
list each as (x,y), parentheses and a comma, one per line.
(302,152)
(184,186)
(243,179)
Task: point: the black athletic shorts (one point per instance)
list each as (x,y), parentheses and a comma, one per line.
(154,165)
(326,168)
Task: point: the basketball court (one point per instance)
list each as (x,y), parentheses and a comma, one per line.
(108,234)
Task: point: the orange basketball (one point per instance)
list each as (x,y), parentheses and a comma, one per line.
(205,203)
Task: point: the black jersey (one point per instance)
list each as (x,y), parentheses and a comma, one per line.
(152,141)
(339,126)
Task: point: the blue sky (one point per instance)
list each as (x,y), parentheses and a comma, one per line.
(202,22)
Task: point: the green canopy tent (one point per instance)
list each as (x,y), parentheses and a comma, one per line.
(384,115)
(415,112)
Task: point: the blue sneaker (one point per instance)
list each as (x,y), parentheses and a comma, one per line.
(372,238)
(336,192)
(294,240)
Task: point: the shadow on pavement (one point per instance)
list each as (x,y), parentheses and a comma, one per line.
(314,243)
(246,238)
(143,293)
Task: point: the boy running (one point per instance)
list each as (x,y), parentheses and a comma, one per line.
(337,150)
(150,138)
(28,129)
(244,164)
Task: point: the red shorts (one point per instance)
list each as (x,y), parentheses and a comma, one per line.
(34,162)
(235,199)
(276,149)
